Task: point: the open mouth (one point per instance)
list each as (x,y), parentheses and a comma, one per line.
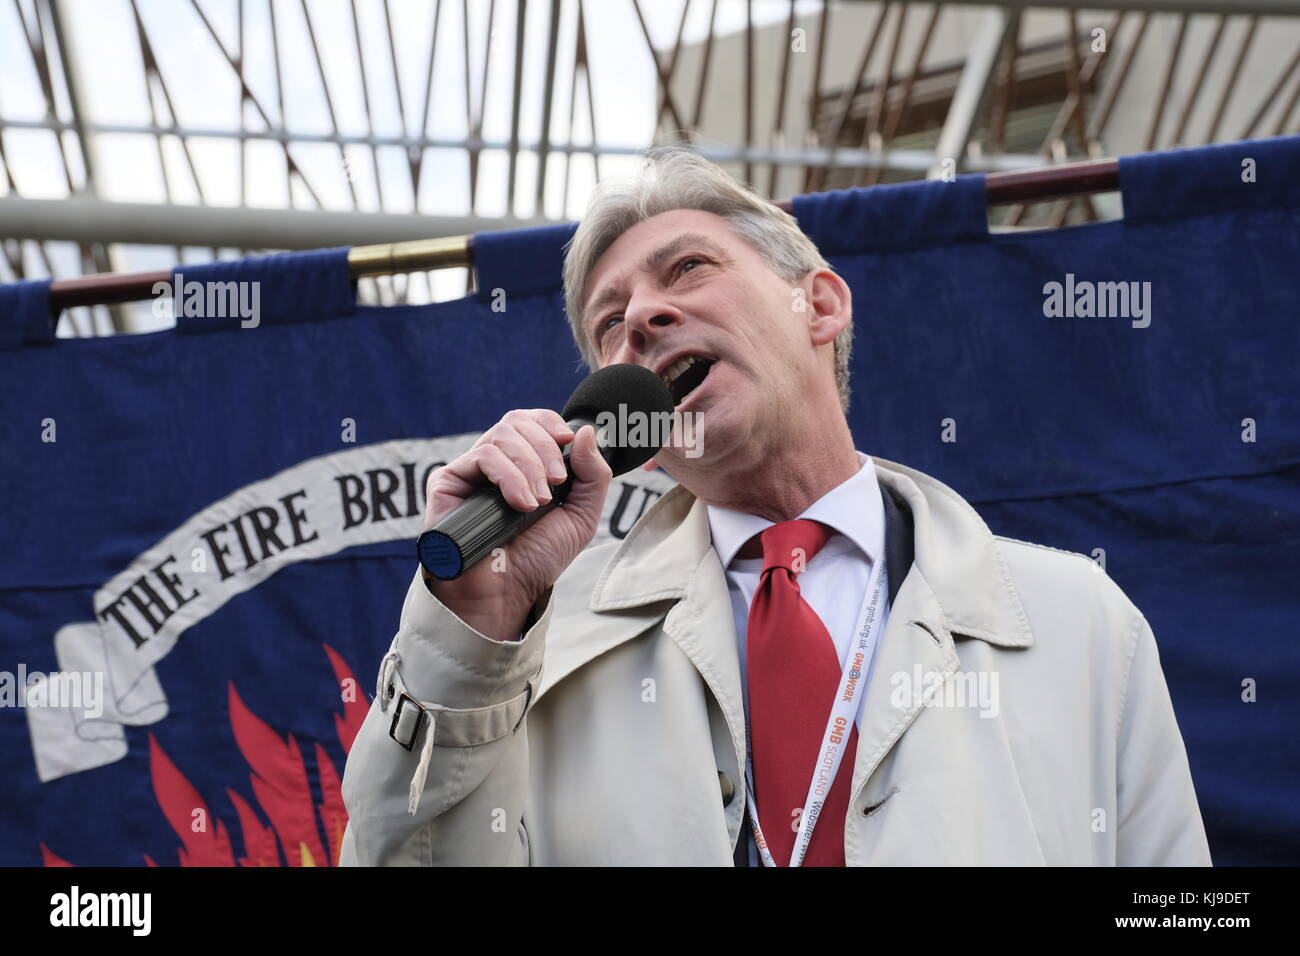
(686,375)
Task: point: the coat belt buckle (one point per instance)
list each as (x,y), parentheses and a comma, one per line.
(392,729)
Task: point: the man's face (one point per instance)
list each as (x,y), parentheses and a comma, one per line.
(684,284)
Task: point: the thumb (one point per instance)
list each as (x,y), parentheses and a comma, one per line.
(586,460)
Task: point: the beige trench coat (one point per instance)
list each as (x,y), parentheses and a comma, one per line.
(613,734)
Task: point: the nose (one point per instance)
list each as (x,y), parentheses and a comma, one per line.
(649,316)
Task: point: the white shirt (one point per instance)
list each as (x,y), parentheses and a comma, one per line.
(834,582)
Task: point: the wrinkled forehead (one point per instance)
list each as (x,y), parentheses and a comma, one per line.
(651,244)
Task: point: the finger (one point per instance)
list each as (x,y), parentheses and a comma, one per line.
(548,450)
(451,484)
(507,437)
(458,478)
(650,465)
(505,473)
(552,423)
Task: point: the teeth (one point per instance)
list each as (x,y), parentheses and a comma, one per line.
(681,365)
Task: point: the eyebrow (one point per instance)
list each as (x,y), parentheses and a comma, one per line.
(653,262)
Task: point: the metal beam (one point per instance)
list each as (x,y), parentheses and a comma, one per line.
(72,76)
(76,94)
(90,220)
(521,23)
(996,26)
(548,95)
(93,220)
(903,160)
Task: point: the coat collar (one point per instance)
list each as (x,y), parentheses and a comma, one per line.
(952,550)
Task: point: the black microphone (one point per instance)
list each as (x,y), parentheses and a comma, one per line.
(484,521)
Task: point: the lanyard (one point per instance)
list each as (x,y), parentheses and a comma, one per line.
(838,726)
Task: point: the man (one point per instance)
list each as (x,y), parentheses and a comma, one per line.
(798,656)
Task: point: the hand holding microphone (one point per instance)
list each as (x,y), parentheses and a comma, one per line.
(533,485)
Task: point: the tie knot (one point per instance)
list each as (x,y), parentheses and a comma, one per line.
(792,544)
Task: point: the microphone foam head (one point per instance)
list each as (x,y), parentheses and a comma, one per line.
(640,392)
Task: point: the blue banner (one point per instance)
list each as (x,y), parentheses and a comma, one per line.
(218,519)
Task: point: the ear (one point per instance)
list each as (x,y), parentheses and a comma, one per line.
(830,306)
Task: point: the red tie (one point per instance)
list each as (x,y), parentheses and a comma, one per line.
(794,673)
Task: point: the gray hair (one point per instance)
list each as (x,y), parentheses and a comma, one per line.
(676,177)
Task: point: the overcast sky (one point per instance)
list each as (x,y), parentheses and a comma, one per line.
(205,92)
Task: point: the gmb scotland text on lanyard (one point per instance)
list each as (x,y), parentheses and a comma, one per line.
(839,725)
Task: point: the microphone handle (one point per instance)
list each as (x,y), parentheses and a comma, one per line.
(484,522)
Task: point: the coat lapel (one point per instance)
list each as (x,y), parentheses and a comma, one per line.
(913,638)
(668,556)
(954,585)
(664,573)
(703,625)
(914,641)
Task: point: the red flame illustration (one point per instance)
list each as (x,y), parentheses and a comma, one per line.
(280,786)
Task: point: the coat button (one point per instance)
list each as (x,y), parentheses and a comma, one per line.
(728,788)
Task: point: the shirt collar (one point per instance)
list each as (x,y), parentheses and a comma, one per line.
(842,508)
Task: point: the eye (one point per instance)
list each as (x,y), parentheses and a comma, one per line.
(681,266)
(603,327)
